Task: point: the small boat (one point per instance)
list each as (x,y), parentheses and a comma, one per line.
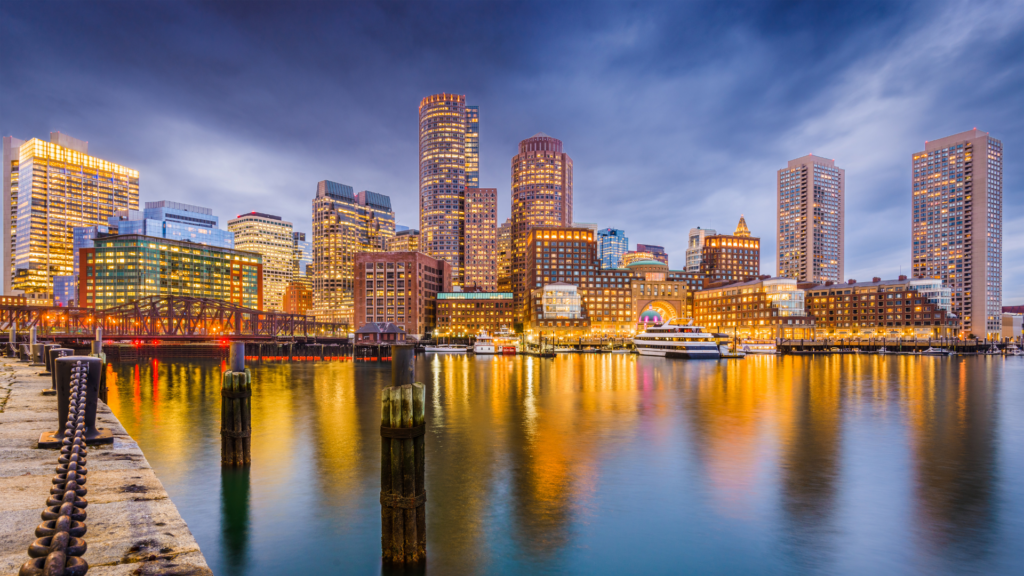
(1013,350)
(505,341)
(936,352)
(725,352)
(446,349)
(758,347)
(484,344)
(882,350)
(566,350)
(621,351)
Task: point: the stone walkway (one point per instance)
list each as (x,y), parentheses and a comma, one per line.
(133,527)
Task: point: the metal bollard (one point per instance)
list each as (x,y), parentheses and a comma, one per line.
(37,354)
(52,354)
(47,365)
(64,369)
(24,353)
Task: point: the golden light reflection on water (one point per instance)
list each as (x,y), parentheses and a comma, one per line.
(527,451)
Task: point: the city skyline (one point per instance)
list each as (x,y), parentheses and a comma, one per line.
(870,133)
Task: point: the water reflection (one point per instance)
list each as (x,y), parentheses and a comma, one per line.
(606,463)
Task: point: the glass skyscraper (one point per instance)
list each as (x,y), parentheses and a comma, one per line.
(174,221)
(611,245)
(272,238)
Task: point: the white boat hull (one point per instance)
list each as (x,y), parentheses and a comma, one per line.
(436,350)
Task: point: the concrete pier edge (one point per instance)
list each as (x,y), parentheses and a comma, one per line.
(133,527)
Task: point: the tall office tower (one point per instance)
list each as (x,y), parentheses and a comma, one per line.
(449,156)
(344,224)
(505,256)
(810,220)
(541,196)
(270,237)
(611,245)
(302,257)
(472,146)
(61,187)
(481,239)
(695,247)
(958,225)
(658,251)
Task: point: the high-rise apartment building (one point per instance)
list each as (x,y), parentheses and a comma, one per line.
(481,239)
(611,245)
(504,258)
(344,224)
(407,240)
(541,196)
(811,192)
(449,156)
(658,251)
(695,247)
(731,258)
(49,189)
(272,238)
(957,225)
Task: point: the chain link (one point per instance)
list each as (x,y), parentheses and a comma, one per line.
(59,546)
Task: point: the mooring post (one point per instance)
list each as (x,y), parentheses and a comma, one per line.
(47,365)
(67,369)
(12,341)
(236,408)
(97,352)
(52,354)
(403,495)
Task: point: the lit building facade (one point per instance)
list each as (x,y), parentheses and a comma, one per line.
(657,251)
(731,258)
(173,221)
(635,256)
(917,308)
(481,239)
(504,259)
(957,225)
(656,295)
(611,245)
(298,298)
(470,313)
(695,247)
(400,288)
(272,238)
(345,224)
(541,196)
(811,196)
(404,241)
(119,269)
(302,257)
(449,154)
(762,309)
(50,188)
(556,311)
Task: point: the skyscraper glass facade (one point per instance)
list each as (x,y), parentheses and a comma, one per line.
(174,221)
(270,237)
(611,245)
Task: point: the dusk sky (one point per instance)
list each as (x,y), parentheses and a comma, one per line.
(676,115)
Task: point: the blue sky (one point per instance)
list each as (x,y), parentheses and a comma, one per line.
(675,114)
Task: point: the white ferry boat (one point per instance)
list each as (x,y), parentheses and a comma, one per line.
(677,340)
(758,347)
(505,341)
(446,349)
(484,344)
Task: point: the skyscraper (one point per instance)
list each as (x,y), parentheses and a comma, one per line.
(541,196)
(270,237)
(811,192)
(449,158)
(611,245)
(957,225)
(695,247)
(505,256)
(61,187)
(302,258)
(481,240)
(731,258)
(344,224)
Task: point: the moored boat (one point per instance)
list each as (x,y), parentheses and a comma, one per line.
(674,339)
(446,349)
(484,344)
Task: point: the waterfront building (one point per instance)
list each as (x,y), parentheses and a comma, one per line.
(656,295)
(119,269)
(612,244)
(541,196)
(735,257)
(957,225)
(635,256)
(504,265)
(407,240)
(273,239)
(481,258)
(449,154)
(657,251)
(695,247)
(344,224)
(470,313)
(49,189)
(556,311)
(400,287)
(1013,326)
(907,308)
(298,297)
(761,309)
(380,333)
(173,221)
(811,193)
(302,257)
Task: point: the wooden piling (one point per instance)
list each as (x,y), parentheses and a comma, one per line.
(236,410)
(403,494)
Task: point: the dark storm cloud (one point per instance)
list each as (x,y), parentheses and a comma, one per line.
(676,115)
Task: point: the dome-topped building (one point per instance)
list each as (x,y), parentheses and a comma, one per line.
(732,258)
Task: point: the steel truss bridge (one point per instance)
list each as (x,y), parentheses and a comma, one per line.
(169,318)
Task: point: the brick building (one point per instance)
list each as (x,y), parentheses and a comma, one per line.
(762,309)
(401,288)
(735,257)
(882,308)
(298,297)
(468,313)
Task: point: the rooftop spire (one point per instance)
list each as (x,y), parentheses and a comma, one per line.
(741,229)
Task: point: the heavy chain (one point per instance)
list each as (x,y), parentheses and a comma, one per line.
(59,548)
